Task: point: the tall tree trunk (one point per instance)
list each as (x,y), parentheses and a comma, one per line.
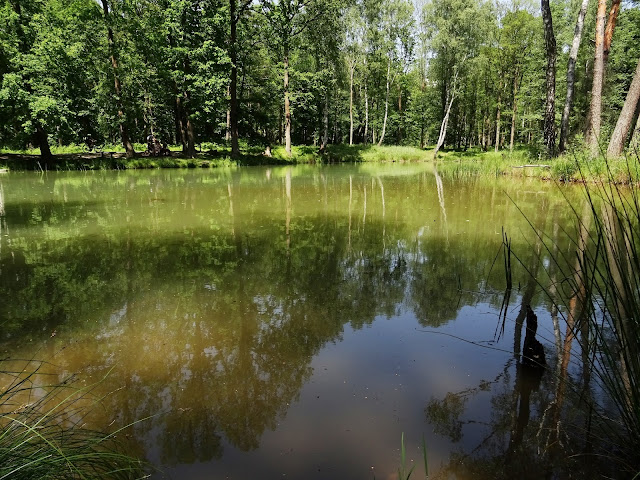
(611,26)
(445,120)
(549,109)
(325,122)
(635,137)
(180,120)
(280,125)
(571,76)
(335,118)
(400,114)
(352,67)
(423,85)
(516,80)
(498,112)
(191,143)
(287,106)
(366,113)
(483,142)
(233,81)
(595,110)
(42,140)
(227,134)
(623,125)
(386,103)
(443,129)
(124,133)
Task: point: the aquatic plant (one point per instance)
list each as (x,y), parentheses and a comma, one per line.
(42,432)
(403,472)
(598,292)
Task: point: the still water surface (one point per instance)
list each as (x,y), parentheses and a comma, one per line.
(289,322)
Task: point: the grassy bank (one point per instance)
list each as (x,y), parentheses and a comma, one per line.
(522,162)
(111,157)
(576,166)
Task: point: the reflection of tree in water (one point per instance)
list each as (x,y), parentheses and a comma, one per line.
(445,415)
(520,438)
(213,335)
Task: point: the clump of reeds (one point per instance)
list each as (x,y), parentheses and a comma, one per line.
(605,293)
(42,435)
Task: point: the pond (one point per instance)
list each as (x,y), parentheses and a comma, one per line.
(294,322)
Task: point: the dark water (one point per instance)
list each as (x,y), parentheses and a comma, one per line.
(294,322)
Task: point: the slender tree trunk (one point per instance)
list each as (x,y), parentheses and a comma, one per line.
(595,110)
(445,120)
(497,145)
(124,134)
(227,135)
(325,122)
(366,114)
(386,103)
(400,114)
(181,123)
(336,138)
(485,127)
(443,129)
(516,80)
(287,106)
(623,125)
(191,143)
(423,85)
(571,76)
(280,125)
(233,81)
(635,137)
(352,67)
(549,110)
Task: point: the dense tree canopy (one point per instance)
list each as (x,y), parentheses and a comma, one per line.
(314,72)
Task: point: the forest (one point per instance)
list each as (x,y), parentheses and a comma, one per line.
(446,73)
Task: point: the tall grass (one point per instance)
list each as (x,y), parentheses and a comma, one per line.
(42,432)
(612,262)
(601,295)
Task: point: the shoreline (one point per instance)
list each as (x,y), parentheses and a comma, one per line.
(577,167)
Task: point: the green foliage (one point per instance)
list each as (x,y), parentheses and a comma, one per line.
(172,59)
(564,169)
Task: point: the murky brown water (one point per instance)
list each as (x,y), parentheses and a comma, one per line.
(289,322)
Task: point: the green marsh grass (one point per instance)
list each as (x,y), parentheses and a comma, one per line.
(42,431)
(599,293)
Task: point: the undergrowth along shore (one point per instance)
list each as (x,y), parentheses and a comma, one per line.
(577,166)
